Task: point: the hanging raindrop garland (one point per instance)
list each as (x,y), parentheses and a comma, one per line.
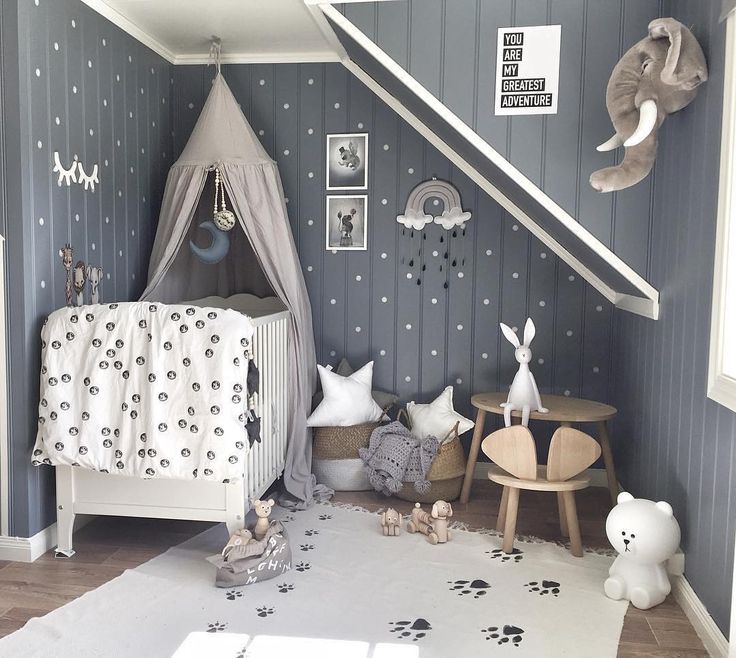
(223,218)
(414,222)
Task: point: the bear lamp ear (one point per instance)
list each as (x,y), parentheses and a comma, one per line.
(270,502)
(624,497)
(665,507)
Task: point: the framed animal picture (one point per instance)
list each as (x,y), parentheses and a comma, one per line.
(347,161)
(347,223)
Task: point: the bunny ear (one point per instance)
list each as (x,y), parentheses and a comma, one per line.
(510,335)
(529,332)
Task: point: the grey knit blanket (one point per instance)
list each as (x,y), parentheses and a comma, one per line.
(394,456)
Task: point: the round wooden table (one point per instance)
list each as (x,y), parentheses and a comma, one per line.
(563,410)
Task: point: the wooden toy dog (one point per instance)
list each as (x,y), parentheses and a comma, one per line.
(239,538)
(433,525)
(391,522)
(263,510)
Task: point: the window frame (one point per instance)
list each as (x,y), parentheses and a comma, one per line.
(721,387)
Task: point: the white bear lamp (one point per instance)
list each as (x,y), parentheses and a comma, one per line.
(645,535)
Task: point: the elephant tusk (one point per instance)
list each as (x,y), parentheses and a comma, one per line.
(611,144)
(647,122)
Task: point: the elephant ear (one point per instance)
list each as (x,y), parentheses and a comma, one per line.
(692,69)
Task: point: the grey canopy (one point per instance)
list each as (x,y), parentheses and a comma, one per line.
(262,259)
(727,7)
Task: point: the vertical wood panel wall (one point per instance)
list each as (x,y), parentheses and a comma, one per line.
(422,337)
(92,93)
(674,443)
(449,46)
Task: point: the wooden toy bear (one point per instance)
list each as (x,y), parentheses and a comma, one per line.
(263,510)
(391,522)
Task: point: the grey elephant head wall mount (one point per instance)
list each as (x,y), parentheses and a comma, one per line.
(656,77)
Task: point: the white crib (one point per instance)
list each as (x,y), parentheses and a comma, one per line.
(82,491)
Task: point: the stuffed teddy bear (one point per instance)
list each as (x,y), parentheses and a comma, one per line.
(645,534)
(263,510)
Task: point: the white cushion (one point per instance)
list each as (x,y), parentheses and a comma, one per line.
(347,400)
(437,418)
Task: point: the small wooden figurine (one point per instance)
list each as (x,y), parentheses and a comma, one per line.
(433,525)
(391,522)
(239,538)
(263,510)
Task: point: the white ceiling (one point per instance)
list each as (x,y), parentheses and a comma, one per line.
(251,30)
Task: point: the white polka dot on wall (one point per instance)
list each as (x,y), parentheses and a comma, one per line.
(261,132)
(459,327)
(484,355)
(384,256)
(333,301)
(191,106)
(408,275)
(38,73)
(36,2)
(286,151)
(435,253)
(542,303)
(43,283)
(486,302)
(310,131)
(107,220)
(94,246)
(386,147)
(332,353)
(89,66)
(382,352)
(117,77)
(310,81)
(104,42)
(568,333)
(104,102)
(460,275)
(132,232)
(384,299)
(108,276)
(360,125)
(358,277)
(410,170)
(357,330)
(286,106)
(515,227)
(310,174)
(458,381)
(540,361)
(336,106)
(571,278)
(599,308)
(74,23)
(261,82)
(310,222)
(567,394)
(40,221)
(433,352)
(434,300)
(515,275)
(39,143)
(74,89)
(56,45)
(543,255)
(132,277)
(407,379)
(489,252)
(596,369)
(309,268)
(384,202)
(120,253)
(408,327)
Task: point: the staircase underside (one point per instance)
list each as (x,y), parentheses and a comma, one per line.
(526,202)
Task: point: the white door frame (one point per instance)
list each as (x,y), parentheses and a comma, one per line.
(4,433)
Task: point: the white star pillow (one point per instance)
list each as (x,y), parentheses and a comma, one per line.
(437,418)
(347,400)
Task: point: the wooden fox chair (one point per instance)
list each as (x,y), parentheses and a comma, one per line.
(514,456)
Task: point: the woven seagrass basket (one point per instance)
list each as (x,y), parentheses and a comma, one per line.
(446,474)
(341,442)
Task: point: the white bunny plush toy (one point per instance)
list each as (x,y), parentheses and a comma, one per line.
(524,394)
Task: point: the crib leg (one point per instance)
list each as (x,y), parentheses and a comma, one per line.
(235,501)
(64,511)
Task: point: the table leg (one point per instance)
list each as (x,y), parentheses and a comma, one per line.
(608,460)
(509,528)
(576,544)
(480,421)
(501,521)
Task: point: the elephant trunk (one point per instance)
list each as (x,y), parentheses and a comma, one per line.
(636,165)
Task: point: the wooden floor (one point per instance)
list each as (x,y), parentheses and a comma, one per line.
(108,546)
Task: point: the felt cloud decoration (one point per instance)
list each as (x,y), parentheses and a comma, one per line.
(452,215)
(437,418)
(347,400)
(414,219)
(452,218)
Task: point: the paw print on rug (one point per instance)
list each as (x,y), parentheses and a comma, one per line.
(475,587)
(415,630)
(264,611)
(233,594)
(324,517)
(216,627)
(287,518)
(302,566)
(285,588)
(504,635)
(516,555)
(306,547)
(544,587)
(311,533)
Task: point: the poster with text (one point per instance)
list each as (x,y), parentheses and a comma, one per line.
(528,69)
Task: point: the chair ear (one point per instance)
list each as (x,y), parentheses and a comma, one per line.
(435,512)
(570,453)
(510,335)
(529,332)
(514,450)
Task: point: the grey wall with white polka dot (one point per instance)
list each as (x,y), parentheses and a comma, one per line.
(94,94)
(427,321)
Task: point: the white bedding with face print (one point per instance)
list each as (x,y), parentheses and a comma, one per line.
(145,389)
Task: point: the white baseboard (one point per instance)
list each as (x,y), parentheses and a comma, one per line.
(598,477)
(705,626)
(29,549)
